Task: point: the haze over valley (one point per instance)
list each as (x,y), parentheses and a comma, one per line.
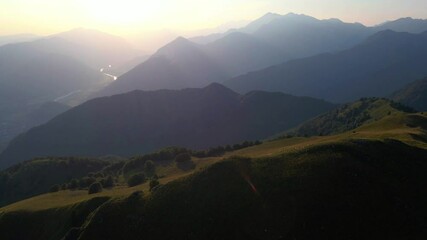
(213,120)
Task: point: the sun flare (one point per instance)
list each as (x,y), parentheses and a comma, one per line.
(122,12)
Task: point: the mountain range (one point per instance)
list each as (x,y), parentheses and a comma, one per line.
(139,122)
(273,39)
(35,72)
(380,65)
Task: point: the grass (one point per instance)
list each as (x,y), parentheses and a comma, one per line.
(391,127)
(316,159)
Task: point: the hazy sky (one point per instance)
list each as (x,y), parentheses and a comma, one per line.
(132,16)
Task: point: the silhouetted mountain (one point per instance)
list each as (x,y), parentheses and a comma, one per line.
(97,49)
(267,41)
(413,95)
(239,53)
(302,36)
(404,25)
(180,64)
(44,113)
(260,22)
(17,38)
(139,122)
(32,74)
(377,67)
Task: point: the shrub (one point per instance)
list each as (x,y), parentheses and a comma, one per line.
(183,157)
(54,188)
(149,168)
(108,182)
(98,175)
(86,181)
(136,196)
(95,188)
(73,184)
(154,183)
(136,179)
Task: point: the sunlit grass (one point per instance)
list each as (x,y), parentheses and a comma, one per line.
(403,127)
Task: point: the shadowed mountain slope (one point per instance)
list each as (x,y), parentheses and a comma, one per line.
(413,95)
(377,67)
(139,122)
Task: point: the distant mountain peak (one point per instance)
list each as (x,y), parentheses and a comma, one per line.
(217,86)
(385,34)
(220,91)
(336,20)
(180,43)
(271,14)
(292,15)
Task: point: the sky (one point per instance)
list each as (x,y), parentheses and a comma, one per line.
(124,17)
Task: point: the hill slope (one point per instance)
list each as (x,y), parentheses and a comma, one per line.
(139,122)
(350,116)
(270,40)
(35,177)
(32,74)
(352,185)
(377,67)
(180,64)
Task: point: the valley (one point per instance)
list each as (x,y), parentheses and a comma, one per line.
(213,120)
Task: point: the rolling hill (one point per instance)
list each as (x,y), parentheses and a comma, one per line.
(37,176)
(139,122)
(377,67)
(353,185)
(350,116)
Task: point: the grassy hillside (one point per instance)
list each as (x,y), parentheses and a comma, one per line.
(350,116)
(37,176)
(359,184)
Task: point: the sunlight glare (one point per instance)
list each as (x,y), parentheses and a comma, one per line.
(122,12)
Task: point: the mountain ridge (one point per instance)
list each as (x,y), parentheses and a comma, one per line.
(142,121)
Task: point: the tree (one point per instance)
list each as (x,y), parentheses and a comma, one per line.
(136,179)
(154,183)
(54,188)
(149,168)
(86,181)
(73,184)
(182,157)
(108,182)
(95,188)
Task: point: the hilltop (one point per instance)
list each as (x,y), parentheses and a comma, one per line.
(350,116)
